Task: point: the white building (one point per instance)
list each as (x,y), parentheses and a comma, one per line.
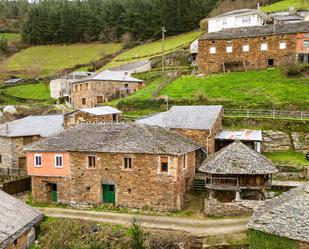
(61,87)
(236,19)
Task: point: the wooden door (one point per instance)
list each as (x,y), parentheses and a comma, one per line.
(109,193)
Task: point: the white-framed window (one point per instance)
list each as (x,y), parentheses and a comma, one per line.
(246,20)
(245,48)
(212,50)
(282,45)
(229,49)
(58,161)
(264,46)
(224,22)
(37,160)
(306,43)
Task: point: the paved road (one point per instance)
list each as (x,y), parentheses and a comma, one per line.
(197,227)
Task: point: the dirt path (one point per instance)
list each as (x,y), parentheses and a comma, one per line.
(197,227)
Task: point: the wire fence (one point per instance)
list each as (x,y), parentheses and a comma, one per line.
(270,114)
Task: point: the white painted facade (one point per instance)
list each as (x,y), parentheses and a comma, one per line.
(236,19)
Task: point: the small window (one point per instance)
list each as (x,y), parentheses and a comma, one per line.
(245,48)
(306,43)
(127,163)
(37,160)
(270,62)
(129,190)
(126,86)
(224,22)
(246,20)
(213,42)
(264,38)
(184,161)
(58,161)
(164,164)
(212,50)
(229,49)
(99,99)
(91,161)
(264,46)
(282,45)
(83,101)
(88,189)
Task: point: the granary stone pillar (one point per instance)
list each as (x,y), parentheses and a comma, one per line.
(211,194)
(237,196)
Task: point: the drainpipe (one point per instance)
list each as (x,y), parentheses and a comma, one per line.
(207,140)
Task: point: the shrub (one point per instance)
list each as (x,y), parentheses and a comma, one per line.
(296,69)
(137,236)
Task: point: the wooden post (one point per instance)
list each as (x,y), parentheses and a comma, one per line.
(223,66)
(245,66)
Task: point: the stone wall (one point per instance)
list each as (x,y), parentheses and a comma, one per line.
(253,59)
(281,141)
(11,149)
(303,245)
(21,242)
(142,186)
(215,208)
(78,117)
(90,90)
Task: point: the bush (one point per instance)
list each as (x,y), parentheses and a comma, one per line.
(4,47)
(137,236)
(296,69)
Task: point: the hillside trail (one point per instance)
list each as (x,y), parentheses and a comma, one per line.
(196,227)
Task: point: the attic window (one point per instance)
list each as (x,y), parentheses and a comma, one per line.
(164,164)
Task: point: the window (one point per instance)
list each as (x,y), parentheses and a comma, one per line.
(264,46)
(91,161)
(245,48)
(58,161)
(126,86)
(224,22)
(83,101)
(164,164)
(282,45)
(306,43)
(115,118)
(99,99)
(229,49)
(38,160)
(127,163)
(270,62)
(184,161)
(246,20)
(212,50)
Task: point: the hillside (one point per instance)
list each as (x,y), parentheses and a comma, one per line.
(285,4)
(146,51)
(50,59)
(265,89)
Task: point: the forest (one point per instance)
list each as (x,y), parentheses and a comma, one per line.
(76,21)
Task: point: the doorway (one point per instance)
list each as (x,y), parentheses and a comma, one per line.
(53,192)
(109,193)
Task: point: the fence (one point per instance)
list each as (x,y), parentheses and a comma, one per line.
(12,172)
(271,114)
(17,186)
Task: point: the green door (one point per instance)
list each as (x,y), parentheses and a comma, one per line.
(54,193)
(109,193)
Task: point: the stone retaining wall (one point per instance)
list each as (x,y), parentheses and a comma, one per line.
(213,207)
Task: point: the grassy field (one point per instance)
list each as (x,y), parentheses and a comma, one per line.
(288,157)
(146,51)
(11,37)
(285,4)
(46,60)
(31,91)
(253,89)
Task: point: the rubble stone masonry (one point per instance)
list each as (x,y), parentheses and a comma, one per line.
(142,186)
(105,90)
(238,59)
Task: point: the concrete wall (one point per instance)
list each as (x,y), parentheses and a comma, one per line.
(139,187)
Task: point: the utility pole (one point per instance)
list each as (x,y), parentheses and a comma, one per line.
(163,38)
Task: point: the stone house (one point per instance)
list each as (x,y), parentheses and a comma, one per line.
(18,221)
(237,169)
(60,87)
(92,115)
(284,220)
(200,123)
(21,132)
(253,48)
(237,18)
(102,87)
(125,164)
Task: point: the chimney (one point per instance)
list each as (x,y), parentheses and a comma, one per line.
(7,128)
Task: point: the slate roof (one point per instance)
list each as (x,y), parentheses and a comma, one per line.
(117,138)
(256,31)
(237,158)
(43,125)
(102,110)
(109,75)
(15,218)
(185,117)
(285,216)
(131,66)
(243,12)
